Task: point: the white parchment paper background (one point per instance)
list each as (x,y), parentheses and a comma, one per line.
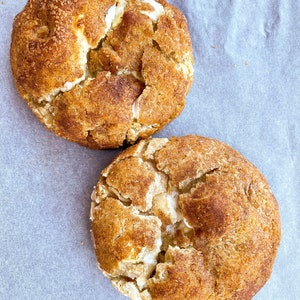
(246,93)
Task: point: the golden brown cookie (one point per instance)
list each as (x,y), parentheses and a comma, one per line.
(101,73)
(185,218)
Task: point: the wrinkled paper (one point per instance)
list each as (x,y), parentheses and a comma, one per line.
(245,93)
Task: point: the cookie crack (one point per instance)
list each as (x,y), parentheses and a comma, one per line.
(249,195)
(115,193)
(193,183)
(112,21)
(167,236)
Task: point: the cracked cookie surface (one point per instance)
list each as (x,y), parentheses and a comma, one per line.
(102,73)
(184,218)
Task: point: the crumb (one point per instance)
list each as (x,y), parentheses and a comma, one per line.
(246,63)
(214,46)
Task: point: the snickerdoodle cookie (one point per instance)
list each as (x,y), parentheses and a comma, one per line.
(102,73)
(185,218)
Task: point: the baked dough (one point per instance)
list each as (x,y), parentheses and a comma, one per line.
(102,73)
(184,218)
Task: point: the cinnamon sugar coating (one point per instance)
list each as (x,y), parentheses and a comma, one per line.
(185,218)
(102,73)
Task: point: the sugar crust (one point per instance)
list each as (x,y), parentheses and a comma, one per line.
(185,218)
(102,73)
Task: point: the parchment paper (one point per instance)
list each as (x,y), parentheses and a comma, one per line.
(246,93)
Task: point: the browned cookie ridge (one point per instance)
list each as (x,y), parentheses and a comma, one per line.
(185,218)
(101,73)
